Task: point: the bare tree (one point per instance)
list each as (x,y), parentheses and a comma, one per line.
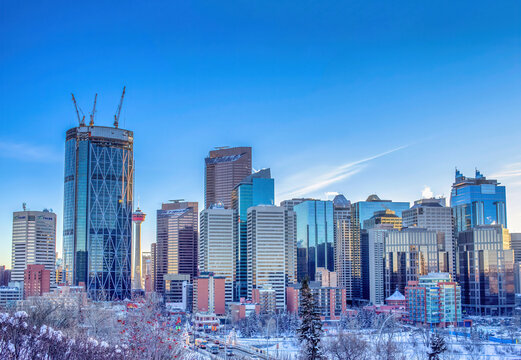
(347,346)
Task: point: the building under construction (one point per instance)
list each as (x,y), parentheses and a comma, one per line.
(98,203)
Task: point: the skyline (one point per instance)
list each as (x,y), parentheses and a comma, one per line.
(389,110)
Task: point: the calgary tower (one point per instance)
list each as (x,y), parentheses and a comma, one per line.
(137,217)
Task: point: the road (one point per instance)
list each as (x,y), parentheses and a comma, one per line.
(239,352)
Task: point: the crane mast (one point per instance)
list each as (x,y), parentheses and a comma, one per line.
(118,112)
(81,121)
(93,111)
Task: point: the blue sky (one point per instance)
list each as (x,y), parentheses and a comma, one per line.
(348,97)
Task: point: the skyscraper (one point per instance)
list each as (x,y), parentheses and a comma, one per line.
(34,242)
(267,251)
(346,258)
(255,189)
(477,201)
(364,210)
(432,214)
(177,237)
(137,217)
(98,203)
(225,168)
(408,253)
(315,238)
(486,270)
(216,249)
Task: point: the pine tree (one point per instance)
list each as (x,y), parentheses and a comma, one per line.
(438,347)
(310,330)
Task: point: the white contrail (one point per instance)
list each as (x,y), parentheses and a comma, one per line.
(337,174)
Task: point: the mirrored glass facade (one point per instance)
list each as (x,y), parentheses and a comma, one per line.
(477,201)
(98,200)
(315,238)
(255,189)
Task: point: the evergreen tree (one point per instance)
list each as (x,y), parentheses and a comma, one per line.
(437,346)
(310,330)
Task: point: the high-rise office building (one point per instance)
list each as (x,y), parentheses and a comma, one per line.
(98,203)
(347,257)
(486,270)
(5,276)
(34,242)
(360,212)
(364,210)
(146,267)
(153,266)
(255,189)
(216,248)
(477,201)
(315,238)
(177,238)
(373,259)
(408,254)
(384,217)
(137,217)
(225,168)
(267,250)
(432,214)
(515,244)
(290,204)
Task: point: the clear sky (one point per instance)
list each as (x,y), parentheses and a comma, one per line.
(335,96)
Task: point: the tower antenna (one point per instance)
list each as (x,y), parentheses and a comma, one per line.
(118,112)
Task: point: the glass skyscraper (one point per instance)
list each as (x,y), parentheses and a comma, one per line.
(315,238)
(477,201)
(364,210)
(97,218)
(255,189)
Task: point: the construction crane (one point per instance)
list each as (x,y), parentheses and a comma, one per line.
(93,111)
(81,121)
(116,117)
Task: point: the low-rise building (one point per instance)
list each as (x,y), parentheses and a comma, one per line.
(206,322)
(266,297)
(330,301)
(242,309)
(37,280)
(11,294)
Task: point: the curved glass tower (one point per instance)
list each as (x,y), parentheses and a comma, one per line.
(97,219)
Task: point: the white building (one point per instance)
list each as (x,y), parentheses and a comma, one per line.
(34,242)
(267,250)
(376,248)
(216,250)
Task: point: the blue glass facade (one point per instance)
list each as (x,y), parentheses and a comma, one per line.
(477,201)
(97,222)
(256,189)
(364,210)
(315,238)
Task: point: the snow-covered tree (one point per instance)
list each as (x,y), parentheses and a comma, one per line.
(310,330)
(437,346)
(347,346)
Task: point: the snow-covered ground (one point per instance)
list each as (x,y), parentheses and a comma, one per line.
(410,344)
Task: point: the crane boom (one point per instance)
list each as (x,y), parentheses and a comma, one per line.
(116,117)
(80,121)
(93,111)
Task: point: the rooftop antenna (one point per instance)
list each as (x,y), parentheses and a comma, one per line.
(93,111)
(118,112)
(81,121)
(24,206)
(177,200)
